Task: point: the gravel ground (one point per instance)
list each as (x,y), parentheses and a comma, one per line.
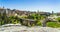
(19,28)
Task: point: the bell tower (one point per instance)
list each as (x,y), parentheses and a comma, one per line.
(52,13)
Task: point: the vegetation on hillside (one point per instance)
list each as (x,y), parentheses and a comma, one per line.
(16,20)
(53,24)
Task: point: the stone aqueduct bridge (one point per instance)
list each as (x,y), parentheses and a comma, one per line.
(44,21)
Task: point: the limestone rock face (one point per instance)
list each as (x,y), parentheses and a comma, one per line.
(20,28)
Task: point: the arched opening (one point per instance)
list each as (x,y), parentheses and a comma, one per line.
(44,24)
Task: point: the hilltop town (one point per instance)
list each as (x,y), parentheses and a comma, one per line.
(22,16)
(13,12)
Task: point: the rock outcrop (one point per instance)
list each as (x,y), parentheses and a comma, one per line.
(20,28)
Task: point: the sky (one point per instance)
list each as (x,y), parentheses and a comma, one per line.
(32,5)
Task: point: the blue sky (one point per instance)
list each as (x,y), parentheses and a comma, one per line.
(32,5)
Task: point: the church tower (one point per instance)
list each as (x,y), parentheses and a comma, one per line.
(52,13)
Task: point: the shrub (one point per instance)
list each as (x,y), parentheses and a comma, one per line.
(58,19)
(53,24)
(39,23)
